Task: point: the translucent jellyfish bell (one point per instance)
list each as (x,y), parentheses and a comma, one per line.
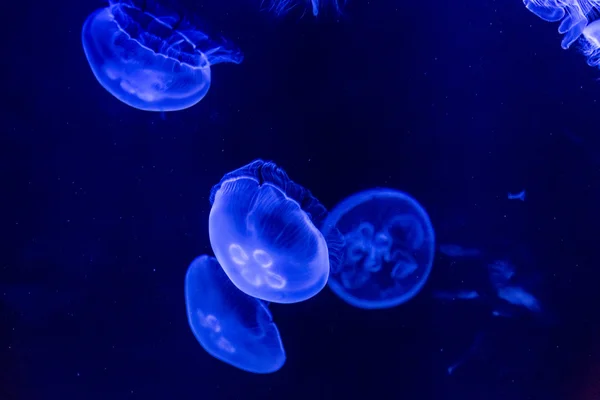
(388,251)
(150,58)
(231,326)
(262,230)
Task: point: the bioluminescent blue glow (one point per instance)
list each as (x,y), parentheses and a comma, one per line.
(282,7)
(572,14)
(150,58)
(590,46)
(517,196)
(262,230)
(456,251)
(231,326)
(579,20)
(388,251)
(506,295)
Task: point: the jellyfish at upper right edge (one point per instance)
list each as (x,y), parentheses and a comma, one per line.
(388,252)
(151,58)
(263,229)
(573,15)
(590,43)
(230,325)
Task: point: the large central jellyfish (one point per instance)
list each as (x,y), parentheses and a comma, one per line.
(150,58)
(262,230)
(388,250)
(231,326)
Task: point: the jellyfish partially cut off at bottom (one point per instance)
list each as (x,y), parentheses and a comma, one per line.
(230,325)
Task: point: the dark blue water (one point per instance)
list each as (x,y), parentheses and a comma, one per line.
(103,206)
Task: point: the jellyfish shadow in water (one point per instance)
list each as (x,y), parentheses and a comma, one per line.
(262,231)
(230,325)
(151,58)
(388,248)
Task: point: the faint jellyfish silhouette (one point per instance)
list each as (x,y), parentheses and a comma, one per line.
(149,57)
(262,230)
(231,326)
(388,251)
(456,251)
(505,295)
(517,196)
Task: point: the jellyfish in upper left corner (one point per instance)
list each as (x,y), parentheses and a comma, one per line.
(230,325)
(388,248)
(151,58)
(263,231)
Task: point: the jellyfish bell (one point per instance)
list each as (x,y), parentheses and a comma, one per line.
(263,231)
(150,58)
(230,325)
(388,248)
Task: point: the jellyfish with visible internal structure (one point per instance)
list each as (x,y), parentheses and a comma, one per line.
(150,58)
(263,231)
(388,248)
(231,326)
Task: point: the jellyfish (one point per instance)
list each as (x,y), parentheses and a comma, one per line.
(590,45)
(573,15)
(502,291)
(230,325)
(517,196)
(388,248)
(150,58)
(282,7)
(262,229)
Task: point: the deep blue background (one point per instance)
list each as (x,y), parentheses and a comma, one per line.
(103,206)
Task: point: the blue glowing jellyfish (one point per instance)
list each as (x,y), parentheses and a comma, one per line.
(388,248)
(573,15)
(590,45)
(149,58)
(231,326)
(282,7)
(262,230)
